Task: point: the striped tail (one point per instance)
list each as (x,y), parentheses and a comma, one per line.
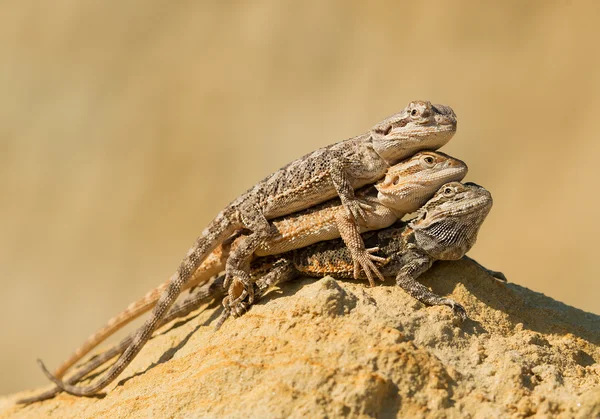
(216,233)
(213,264)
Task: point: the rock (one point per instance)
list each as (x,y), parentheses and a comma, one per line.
(329,348)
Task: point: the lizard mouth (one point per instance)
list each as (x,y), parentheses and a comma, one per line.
(444,115)
(437,178)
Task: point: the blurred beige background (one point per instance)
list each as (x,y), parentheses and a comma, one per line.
(126,126)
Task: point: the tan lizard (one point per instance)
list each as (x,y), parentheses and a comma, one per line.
(406,186)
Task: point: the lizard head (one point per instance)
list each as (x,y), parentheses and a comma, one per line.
(446,226)
(420,126)
(410,183)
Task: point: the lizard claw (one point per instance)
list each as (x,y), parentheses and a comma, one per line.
(357,210)
(364,259)
(376,258)
(241,280)
(497,275)
(239,309)
(457,309)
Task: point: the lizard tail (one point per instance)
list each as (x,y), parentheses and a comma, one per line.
(216,233)
(191,303)
(132,312)
(214,263)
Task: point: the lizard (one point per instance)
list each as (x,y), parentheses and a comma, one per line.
(331,171)
(445,228)
(406,186)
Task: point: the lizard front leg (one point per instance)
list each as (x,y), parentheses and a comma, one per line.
(361,256)
(348,225)
(415,265)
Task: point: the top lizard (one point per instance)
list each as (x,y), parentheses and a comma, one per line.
(332,171)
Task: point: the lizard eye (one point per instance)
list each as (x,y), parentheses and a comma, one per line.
(429,160)
(448,191)
(414,112)
(396,180)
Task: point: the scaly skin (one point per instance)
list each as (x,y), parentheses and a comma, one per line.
(333,171)
(406,186)
(445,229)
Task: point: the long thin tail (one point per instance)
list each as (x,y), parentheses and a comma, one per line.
(193,302)
(216,233)
(132,312)
(213,264)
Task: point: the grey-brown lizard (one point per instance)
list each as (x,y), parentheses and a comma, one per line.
(331,171)
(406,186)
(445,229)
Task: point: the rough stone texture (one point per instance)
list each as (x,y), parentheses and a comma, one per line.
(329,348)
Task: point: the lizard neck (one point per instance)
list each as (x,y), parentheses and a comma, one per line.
(392,150)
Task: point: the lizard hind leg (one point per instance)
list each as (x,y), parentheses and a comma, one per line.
(282,270)
(237,266)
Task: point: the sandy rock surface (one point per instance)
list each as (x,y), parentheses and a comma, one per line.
(329,348)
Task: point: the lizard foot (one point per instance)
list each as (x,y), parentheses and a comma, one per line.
(357,210)
(239,309)
(457,309)
(241,287)
(497,275)
(365,259)
(234,310)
